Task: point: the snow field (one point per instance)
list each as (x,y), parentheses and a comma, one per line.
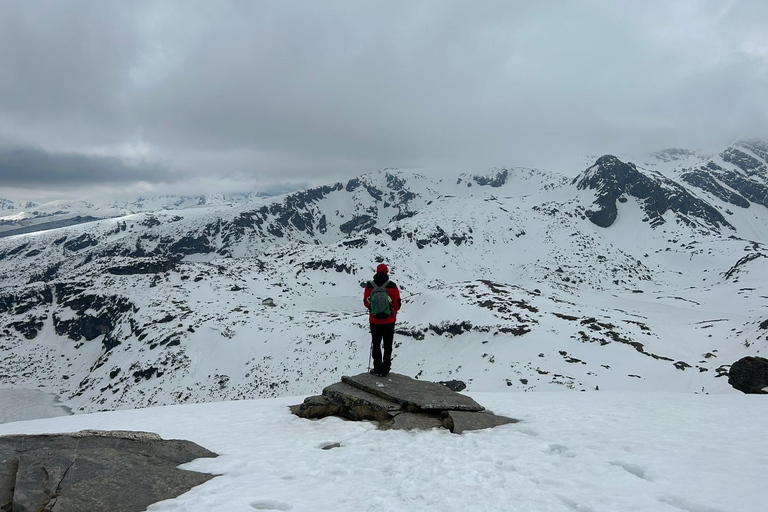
(571,452)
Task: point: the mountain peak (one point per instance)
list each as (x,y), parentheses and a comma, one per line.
(737,176)
(614,180)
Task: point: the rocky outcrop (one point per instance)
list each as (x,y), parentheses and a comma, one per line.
(400,403)
(613,180)
(739,175)
(750,375)
(109,471)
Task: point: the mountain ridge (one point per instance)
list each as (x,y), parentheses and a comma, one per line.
(508,284)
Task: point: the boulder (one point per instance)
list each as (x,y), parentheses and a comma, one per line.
(749,375)
(412,420)
(454,385)
(398,402)
(359,404)
(97,471)
(423,395)
(315,407)
(459,422)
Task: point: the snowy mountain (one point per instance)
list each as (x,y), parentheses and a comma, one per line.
(622,278)
(30,217)
(6,205)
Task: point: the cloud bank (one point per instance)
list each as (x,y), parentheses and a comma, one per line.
(263,91)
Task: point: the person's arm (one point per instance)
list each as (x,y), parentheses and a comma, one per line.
(396,302)
(367,297)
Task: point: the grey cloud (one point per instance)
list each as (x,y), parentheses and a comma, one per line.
(29,167)
(306,89)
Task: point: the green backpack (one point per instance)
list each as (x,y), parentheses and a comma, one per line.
(380,302)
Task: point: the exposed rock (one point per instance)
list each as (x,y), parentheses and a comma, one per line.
(358,223)
(81,242)
(428,396)
(611,178)
(144,266)
(94,471)
(411,421)
(740,183)
(495,179)
(349,396)
(461,421)
(398,402)
(749,375)
(454,385)
(315,407)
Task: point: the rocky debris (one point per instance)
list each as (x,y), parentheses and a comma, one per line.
(750,375)
(454,385)
(114,471)
(398,402)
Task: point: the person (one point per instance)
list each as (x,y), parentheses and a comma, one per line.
(382,318)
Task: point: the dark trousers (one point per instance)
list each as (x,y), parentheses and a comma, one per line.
(379,333)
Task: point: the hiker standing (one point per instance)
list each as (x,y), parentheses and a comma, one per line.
(382,298)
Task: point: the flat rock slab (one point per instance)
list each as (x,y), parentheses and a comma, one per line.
(426,396)
(411,420)
(94,471)
(462,421)
(350,396)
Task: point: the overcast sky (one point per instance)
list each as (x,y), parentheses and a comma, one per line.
(162,97)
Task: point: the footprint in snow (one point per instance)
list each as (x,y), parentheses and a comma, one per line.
(271,505)
(632,469)
(562,450)
(685,504)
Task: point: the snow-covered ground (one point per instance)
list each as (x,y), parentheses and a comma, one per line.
(29,404)
(585,452)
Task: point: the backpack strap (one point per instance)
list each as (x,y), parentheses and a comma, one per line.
(375,286)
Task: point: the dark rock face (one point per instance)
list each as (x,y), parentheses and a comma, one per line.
(94,471)
(744,183)
(613,179)
(82,324)
(733,272)
(749,375)
(400,403)
(144,266)
(293,213)
(358,223)
(703,179)
(81,242)
(496,180)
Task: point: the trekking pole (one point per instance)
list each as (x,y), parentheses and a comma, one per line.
(370,356)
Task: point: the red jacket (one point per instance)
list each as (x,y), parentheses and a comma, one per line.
(392,291)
